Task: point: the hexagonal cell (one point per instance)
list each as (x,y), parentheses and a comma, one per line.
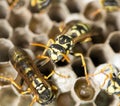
(73,6)
(58,12)
(87,104)
(38,25)
(6,70)
(98,53)
(22,37)
(113,41)
(90,11)
(5,29)
(84,91)
(40,39)
(104,99)
(65,80)
(3,9)
(77,67)
(8,97)
(54,31)
(24,100)
(45,67)
(111,23)
(65,99)
(4,48)
(22,15)
(98,34)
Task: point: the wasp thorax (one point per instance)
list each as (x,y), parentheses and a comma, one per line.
(55,52)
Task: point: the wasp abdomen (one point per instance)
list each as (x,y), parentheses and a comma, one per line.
(78,30)
(30,74)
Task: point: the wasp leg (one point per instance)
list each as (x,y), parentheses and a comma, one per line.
(61,26)
(47,59)
(53,72)
(62,75)
(96,12)
(54,87)
(11,80)
(35,98)
(19,80)
(65,58)
(51,41)
(25,92)
(38,44)
(102,71)
(46,47)
(107,76)
(84,65)
(42,45)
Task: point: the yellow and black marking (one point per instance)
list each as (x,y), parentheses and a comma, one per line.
(40,3)
(64,43)
(74,31)
(113,86)
(112,80)
(37,85)
(110,5)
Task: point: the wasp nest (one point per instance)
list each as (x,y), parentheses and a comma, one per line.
(25,24)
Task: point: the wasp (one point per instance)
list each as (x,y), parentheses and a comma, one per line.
(58,49)
(111,76)
(15,3)
(39,87)
(108,5)
(40,3)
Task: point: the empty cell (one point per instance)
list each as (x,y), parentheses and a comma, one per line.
(37,24)
(73,6)
(98,57)
(104,99)
(78,67)
(114,42)
(65,99)
(8,97)
(19,17)
(4,48)
(111,23)
(89,12)
(5,29)
(21,37)
(100,53)
(3,9)
(58,12)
